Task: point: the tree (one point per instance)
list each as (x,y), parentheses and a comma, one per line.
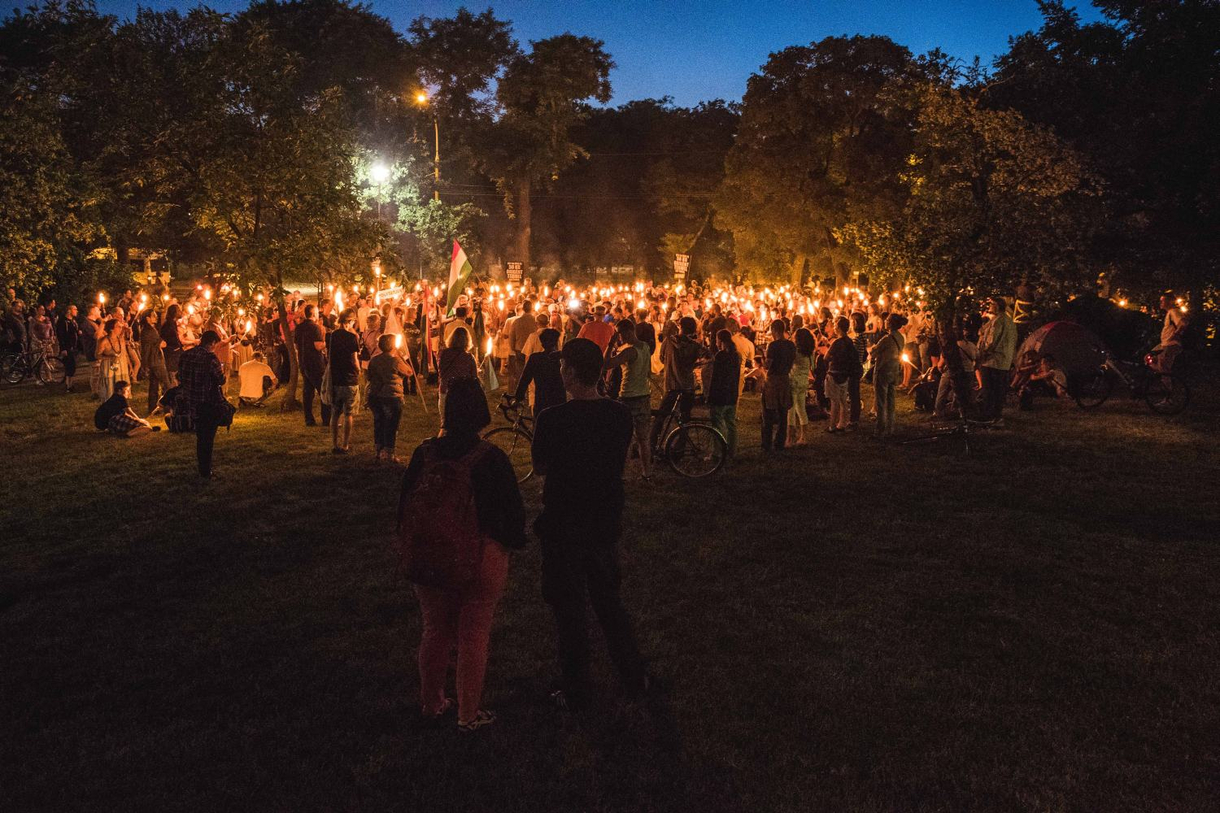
(541,96)
(459,58)
(1139,94)
(276,183)
(49,220)
(824,132)
(993,201)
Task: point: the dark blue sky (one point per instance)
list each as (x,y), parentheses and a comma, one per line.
(694,50)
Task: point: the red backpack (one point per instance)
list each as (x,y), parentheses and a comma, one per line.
(440,541)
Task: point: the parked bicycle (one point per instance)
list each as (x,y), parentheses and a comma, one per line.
(515,440)
(47,368)
(690,448)
(1165,393)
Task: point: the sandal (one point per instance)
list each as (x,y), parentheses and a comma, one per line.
(482,718)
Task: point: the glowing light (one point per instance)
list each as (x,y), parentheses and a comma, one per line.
(259,297)
(380,173)
(241,311)
(101,298)
(906,358)
(1122,303)
(398,340)
(421,97)
(208,294)
(249,325)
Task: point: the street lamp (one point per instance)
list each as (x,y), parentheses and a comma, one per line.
(379,173)
(421,98)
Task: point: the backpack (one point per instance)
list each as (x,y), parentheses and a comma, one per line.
(439,538)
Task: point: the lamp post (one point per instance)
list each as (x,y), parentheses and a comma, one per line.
(421,98)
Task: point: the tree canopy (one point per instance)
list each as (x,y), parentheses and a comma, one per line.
(296,140)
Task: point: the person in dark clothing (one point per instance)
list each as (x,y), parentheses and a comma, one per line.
(461,617)
(310,342)
(343,349)
(580,447)
(843,363)
(777,391)
(724,389)
(67,334)
(542,370)
(152,359)
(172,349)
(202,380)
(859,341)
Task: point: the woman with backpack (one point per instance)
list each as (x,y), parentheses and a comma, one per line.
(460,514)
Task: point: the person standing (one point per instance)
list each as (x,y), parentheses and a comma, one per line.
(202,379)
(997,350)
(343,346)
(679,354)
(152,359)
(385,376)
(842,366)
(886,356)
(802,368)
(459,616)
(172,348)
(67,333)
(311,342)
(112,358)
(580,447)
(859,340)
(725,389)
(635,357)
(542,370)
(777,389)
(455,362)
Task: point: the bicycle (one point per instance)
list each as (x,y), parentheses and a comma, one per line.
(516,440)
(1165,393)
(691,448)
(19,366)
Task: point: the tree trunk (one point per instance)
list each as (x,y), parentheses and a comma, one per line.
(289,403)
(798,268)
(523,225)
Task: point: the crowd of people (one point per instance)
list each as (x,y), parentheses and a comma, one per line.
(805,351)
(586,361)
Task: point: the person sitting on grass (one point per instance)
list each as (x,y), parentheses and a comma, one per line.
(257,381)
(1048,378)
(117,417)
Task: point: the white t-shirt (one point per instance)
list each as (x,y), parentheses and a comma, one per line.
(251,376)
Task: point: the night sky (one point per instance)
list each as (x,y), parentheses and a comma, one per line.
(694,50)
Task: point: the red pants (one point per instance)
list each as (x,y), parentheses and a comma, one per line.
(460,618)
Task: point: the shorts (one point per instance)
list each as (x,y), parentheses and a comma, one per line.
(342,399)
(640,407)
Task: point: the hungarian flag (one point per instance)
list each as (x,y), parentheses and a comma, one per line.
(459,272)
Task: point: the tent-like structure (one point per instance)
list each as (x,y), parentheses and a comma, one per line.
(1076,349)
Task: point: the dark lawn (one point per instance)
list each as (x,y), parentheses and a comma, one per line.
(851,626)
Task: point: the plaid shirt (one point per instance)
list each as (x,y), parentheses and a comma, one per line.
(201,376)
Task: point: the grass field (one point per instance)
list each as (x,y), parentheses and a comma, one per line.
(850,626)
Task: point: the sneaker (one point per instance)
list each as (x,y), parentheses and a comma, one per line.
(482,719)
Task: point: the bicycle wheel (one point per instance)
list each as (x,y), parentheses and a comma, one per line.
(1093,392)
(1166,394)
(695,450)
(51,371)
(7,363)
(16,372)
(516,445)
